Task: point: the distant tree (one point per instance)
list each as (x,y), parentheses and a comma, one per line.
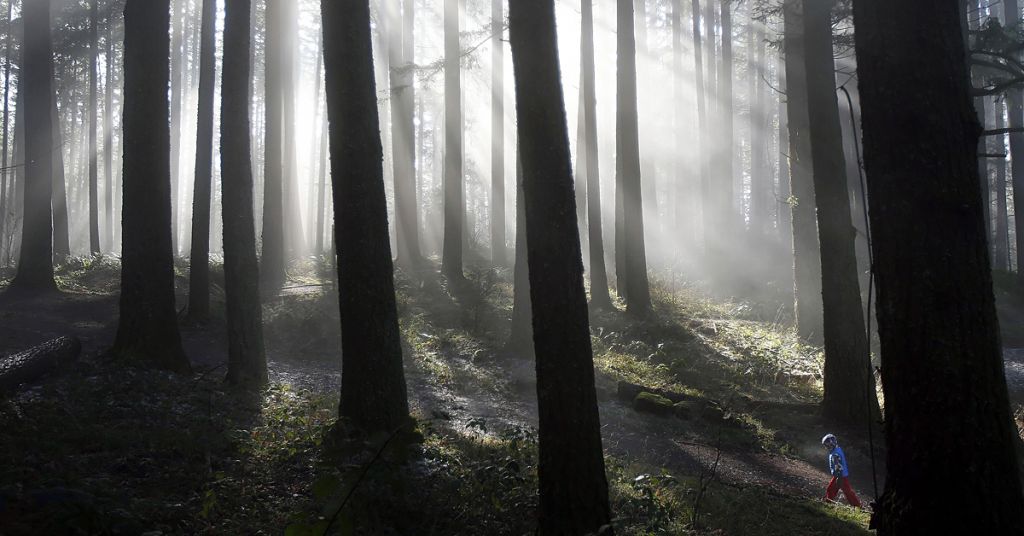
(108,128)
(272,261)
(573,486)
(373,394)
(1015,115)
(499,252)
(199,260)
(4,170)
(1002,231)
(806,257)
(849,390)
(35,266)
(247,364)
(403,134)
(59,202)
(180,8)
(627,167)
(454,195)
(94,196)
(147,327)
(599,296)
(948,422)
(702,109)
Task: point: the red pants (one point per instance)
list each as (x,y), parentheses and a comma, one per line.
(833,490)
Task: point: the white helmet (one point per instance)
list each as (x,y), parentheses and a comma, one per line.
(829,440)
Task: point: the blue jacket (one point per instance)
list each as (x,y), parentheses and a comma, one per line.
(837,462)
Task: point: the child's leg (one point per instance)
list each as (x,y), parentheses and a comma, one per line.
(851,497)
(832,490)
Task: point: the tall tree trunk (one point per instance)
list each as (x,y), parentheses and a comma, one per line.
(314,147)
(942,367)
(681,177)
(806,256)
(294,239)
(645,110)
(849,385)
(721,188)
(1015,114)
(373,391)
(247,364)
(177,76)
(499,253)
(199,271)
(108,133)
(599,296)
(403,140)
(272,262)
(760,176)
(573,486)
(521,335)
(94,207)
(321,184)
(59,203)
(627,166)
(5,209)
(783,207)
(454,195)
(702,113)
(148,328)
(35,265)
(1002,238)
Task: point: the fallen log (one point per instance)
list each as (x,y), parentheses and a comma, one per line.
(30,364)
(628,391)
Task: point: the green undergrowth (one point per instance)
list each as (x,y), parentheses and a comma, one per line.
(111,449)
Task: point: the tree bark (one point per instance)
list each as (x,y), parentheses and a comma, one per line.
(35,265)
(373,393)
(849,385)
(199,271)
(403,140)
(599,295)
(59,203)
(454,196)
(148,328)
(247,364)
(627,167)
(521,335)
(94,207)
(573,486)
(948,422)
(1002,232)
(806,255)
(272,262)
(499,252)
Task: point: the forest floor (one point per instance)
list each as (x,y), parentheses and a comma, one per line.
(110,448)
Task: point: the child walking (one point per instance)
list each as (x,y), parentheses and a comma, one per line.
(840,472)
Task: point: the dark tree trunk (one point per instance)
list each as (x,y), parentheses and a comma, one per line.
(627,167)
(806,256)
(373,392)
(35,265)
(454,196)
(499,253)
(199,271)
(59,204)
(948,422)
(849,383)
(148,327)
(403,140)
(108,132)
(599,296)
(247,364)
(5,209)
(573,486)
(646,107)
(521,335)
(94,179)
(272,262)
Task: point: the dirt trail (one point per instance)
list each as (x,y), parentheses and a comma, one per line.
(498,390)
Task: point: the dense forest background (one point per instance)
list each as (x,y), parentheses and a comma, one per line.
(610,265)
